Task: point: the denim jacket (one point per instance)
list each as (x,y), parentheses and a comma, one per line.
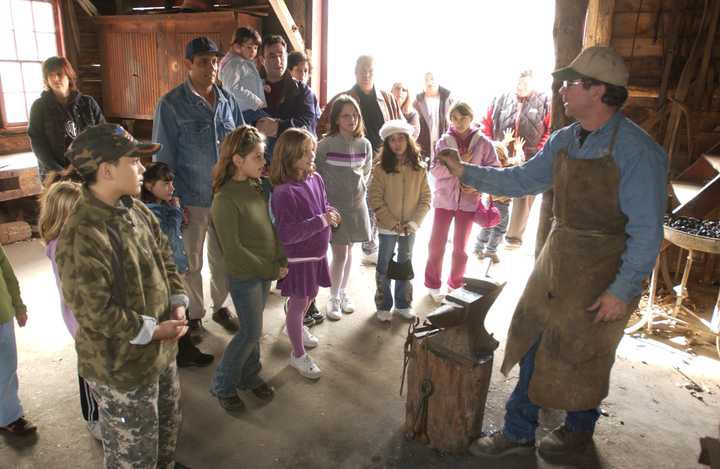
(170,219)
(191,133)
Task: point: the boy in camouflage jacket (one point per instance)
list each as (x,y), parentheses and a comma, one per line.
(123,286)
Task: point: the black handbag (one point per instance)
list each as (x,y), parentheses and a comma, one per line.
(400,270)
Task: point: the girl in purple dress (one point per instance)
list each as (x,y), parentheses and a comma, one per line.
(303,220)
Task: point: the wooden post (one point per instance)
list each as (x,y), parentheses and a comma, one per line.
(288,24)
(568,36)
(599,23)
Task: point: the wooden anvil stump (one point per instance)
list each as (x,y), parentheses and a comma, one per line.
(449,362)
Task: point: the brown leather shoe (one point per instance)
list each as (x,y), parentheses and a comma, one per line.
(562,441)
(232,403)
(264,392)
(226,319)
(20,427)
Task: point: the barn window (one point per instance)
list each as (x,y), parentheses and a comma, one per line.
(28,35)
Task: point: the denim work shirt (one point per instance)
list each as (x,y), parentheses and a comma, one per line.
(643,188)
(191,132)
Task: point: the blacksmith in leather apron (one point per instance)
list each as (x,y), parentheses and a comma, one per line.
(588,274)
(579,261)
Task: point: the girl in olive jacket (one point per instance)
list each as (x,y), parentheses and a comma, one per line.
(399,195)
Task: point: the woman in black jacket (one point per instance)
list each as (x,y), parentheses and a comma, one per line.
(58,115)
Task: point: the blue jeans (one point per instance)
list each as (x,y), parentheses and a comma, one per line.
(521,417)
(403,288)
(489,238)
(10,408)
(239,366)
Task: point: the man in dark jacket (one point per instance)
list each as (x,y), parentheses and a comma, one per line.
(522,116)
(290,103)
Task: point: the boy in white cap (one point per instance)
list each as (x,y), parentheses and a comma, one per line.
(609,181)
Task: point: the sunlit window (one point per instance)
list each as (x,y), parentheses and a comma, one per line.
(28,36)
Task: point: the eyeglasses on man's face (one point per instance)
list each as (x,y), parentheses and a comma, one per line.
(569,83)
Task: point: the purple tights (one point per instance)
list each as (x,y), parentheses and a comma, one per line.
(297,305)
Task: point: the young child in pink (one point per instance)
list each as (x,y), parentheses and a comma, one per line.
(454,201)
(303,220)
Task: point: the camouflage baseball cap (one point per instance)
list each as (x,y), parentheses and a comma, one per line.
(105,143)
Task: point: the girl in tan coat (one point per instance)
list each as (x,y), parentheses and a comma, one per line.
(399,195)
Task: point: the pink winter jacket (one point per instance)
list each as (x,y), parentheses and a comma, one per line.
(447,187)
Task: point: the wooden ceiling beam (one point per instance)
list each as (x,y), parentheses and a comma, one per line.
(599,23)
(288,24)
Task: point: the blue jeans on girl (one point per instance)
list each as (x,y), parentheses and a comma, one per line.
(521,417)
(240,366)
(403,288)
(10,408)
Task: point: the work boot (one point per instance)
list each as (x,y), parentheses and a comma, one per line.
(20,427)
(264,392)
(498,445)
(226,319)
(190,355)
(562,441)
(231,403)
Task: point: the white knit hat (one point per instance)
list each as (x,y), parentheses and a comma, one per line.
(397,126)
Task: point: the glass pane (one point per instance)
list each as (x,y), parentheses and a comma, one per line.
(47,45)
(26,48)
(5,16)
(22,15)
(43,15)
(32,77)
(7,39)
(15,108)
(10,77)
(30,99)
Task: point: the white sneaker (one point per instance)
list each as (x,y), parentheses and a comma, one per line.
(309,340)
(406,313)
(346,304)
(370,259)
(436,294)
(332,310)
(384,315)
(305,366)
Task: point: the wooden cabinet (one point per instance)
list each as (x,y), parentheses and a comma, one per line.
(142,55)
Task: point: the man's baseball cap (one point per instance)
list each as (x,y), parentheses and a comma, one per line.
(601,63)
(105,143)
(201,45)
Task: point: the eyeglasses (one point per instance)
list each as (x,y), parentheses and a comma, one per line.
(569,83)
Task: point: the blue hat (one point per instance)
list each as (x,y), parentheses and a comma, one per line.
(201,45)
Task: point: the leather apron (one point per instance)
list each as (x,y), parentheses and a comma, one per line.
(578,262)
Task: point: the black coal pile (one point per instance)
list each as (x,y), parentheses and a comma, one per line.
(694,226)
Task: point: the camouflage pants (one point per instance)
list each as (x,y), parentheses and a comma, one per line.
(140,427)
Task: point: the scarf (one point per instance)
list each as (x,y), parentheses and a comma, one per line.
(463,142)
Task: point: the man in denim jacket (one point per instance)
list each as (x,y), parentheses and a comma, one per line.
(191,122)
